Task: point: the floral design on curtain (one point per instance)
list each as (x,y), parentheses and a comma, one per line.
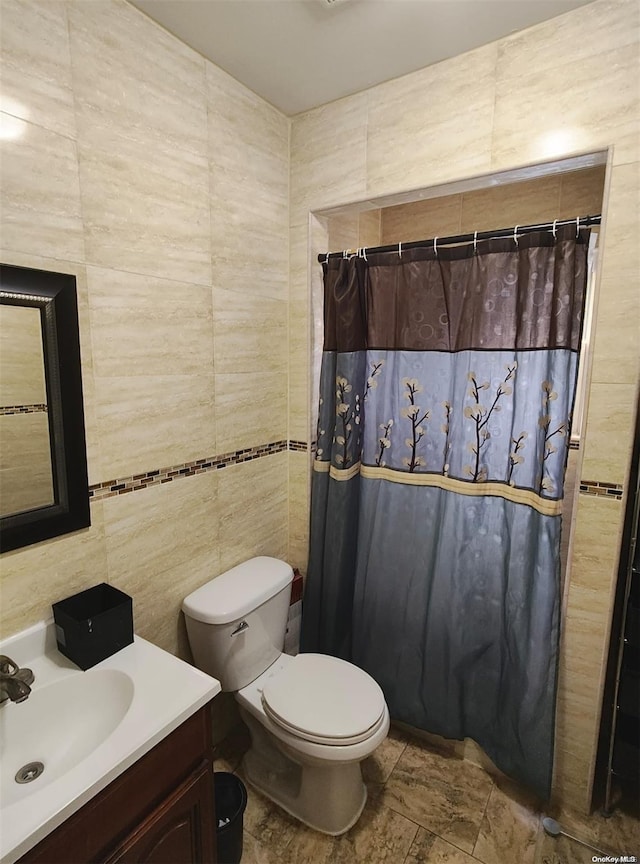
(446,394)
(348,417)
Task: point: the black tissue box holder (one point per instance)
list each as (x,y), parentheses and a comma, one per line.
(94,624)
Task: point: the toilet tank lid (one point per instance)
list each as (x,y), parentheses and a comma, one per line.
(239,591)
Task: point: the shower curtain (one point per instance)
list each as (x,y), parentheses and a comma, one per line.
(447,385)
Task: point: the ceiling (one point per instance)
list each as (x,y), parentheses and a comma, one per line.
(298,54)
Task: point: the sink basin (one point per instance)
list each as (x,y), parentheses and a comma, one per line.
(83,728)
(59,725)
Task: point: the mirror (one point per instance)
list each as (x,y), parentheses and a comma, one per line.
(43,465)
(26,481)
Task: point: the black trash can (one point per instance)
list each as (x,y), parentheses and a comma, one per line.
(231,799)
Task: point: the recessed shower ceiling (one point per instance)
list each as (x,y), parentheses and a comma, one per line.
(298,54)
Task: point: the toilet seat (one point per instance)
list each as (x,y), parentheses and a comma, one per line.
(324,700)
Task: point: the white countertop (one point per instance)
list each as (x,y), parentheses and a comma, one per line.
(165,692)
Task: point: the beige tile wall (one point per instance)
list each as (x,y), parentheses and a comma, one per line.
(168,188)
(564,87)
(163,185)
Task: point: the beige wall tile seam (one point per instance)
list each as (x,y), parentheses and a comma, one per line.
(210,199)
(72,138)
(20,258)
(146,275)
(625,162)
(599,707)
(75,148)
(289,529)
(39,125)
(367,98)
(74,144)
(289,289)
(66,259)
(494,103)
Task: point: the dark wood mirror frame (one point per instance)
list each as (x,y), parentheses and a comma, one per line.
(55,295)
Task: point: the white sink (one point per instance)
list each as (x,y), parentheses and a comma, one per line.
(58,726)
(84,728)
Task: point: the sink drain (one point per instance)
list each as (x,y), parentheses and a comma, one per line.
(30,771)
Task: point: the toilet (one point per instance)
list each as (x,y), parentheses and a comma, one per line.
(312,718)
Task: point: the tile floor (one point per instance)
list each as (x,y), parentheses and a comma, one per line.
(426,806)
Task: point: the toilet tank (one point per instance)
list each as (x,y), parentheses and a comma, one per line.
(236,623)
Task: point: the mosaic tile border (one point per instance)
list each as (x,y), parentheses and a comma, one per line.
(300,446)
(602,490)
(187,469)
(134,483)
(23,409)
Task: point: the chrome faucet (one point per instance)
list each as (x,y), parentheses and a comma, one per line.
(14,682)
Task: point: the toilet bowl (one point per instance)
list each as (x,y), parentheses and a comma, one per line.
(311,768)
(312,718)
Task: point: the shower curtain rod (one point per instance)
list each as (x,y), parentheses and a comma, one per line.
(579,222)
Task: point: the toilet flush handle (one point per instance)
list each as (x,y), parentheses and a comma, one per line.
(242,626)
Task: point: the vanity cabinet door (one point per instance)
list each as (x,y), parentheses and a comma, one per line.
(179,831)
(164,799)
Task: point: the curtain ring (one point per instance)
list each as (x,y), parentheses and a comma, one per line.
(515,235)
(555,222)
(400,250)
(435,246)
(326,260)
(364,252)
(577,227)
(475,242)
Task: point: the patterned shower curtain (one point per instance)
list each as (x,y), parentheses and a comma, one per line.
(447,386)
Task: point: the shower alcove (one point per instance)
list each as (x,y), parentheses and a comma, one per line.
(560,189)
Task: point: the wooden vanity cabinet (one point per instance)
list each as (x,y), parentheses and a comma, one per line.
(159,811)
(173,832)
